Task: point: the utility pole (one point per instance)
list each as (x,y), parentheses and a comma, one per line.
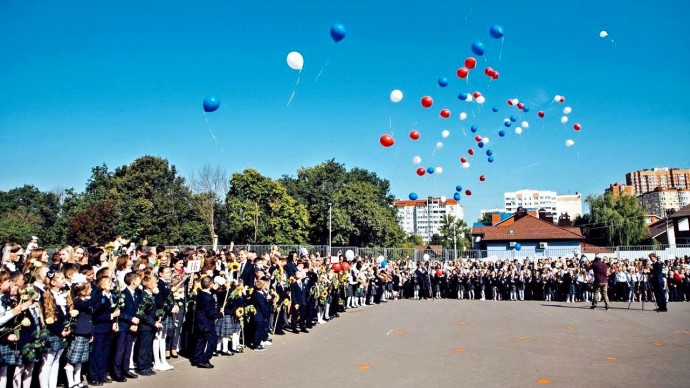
(330,227)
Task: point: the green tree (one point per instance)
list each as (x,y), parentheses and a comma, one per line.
(18,225)
(260,210)
(28,207)
(615,221)
(455,233)
(93,224)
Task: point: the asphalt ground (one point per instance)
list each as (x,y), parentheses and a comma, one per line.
(443,343)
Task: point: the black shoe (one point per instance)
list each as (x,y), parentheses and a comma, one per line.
(147,372)
(119,379)
(593,307)
(305,331)
(107,380)
(259,348)
(94,383)
(205,365)
(607,307)
(226,353)
(131,375)
(280,332)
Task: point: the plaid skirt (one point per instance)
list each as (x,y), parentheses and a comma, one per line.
(168,324)
(78,350)
(226,326)
(54,343)
(9,356)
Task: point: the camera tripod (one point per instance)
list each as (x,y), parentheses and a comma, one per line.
(647,291)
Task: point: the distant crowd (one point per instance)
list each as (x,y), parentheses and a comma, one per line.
(117,311)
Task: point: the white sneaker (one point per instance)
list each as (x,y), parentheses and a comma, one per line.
(159,367)
(266,343)
(168,366)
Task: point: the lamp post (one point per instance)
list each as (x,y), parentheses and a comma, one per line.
(330,219)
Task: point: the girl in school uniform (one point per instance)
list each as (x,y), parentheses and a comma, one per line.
(81,323)
(56,305)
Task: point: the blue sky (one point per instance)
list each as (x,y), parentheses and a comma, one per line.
(84,83)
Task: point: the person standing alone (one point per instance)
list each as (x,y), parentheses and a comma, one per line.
(601,282)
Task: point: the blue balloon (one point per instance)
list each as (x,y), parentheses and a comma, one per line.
(462,96)
(458,188)
(501,133)
(507,123)
(413,196)
(489,152)
(478,48)
(456,196)
(491,159)
(443,82)
(495,109)
(211,103)
(430,170)
(474,129)
(525,109)
(496,31)
(480,144)
(338,32)
(518,246)
(513,118)
(384,264)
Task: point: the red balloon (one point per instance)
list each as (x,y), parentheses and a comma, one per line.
(488,70)
(427,101)
(463,160)
(520,105)
(470,63)
(438,270)
(462,72)
(337,267)
(562,99)
(476,94)
(540,114)
(510,102)
(482,178)
(477,138)
(468,192)
(470,151)
(414,135)
(345,265)
(494,75)
(577,127)
(421,171)
(386,140)
(445,113)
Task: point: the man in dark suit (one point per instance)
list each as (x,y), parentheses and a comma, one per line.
(601,282)
(657,279)
(127,328)
(262,301)
(246,272)
(299,300)
(207,311)
(423,281)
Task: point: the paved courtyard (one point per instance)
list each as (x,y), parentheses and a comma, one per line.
(446,343)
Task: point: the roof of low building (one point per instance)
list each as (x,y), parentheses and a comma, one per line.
(525,228)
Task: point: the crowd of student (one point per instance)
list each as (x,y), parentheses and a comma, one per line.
(112,312)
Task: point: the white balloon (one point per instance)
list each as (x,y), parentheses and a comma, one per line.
(439,170)
(443,199)
(396,95)
(481,99)
(466,165)
(295,60)
(426,257)
(557,98)
(567,110)
(603,34)
(439,145)
(525,124)
(569,143)
(349,254)
(417,160)
(485,140)
(518,131)
(564,119)
(515,101)
(445,133)
(463,116)
(469,98)
(380,259)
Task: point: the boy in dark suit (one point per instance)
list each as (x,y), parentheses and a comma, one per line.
(127,328)
(263,303)
(297,295)
(207,311)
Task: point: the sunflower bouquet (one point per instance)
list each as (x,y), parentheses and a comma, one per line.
(234,266)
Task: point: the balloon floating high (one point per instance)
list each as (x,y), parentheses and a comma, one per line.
(577,127)
(439,170)
(338,32)
(470,151)
(490,159)
(470,63)
(430,170)
(463,96)
(462,72)
(413,196)
(421,171)
(495,109)
(468,192)
(567,110)
(456,196)
(477,138)
(463,116)
(211,103)
(569,143)
(463,159)
(416,160)
(414,134)
(518,131)
(458,188)
(439,145)
(295,60)
(478,48)
(540,114)
(445,113)
(496,31)
(603,34)
(445,133)
(482,178)
(480,144)
(443,82)
(396,96)
(474,129)
(501,133)
(564,119)
(386,140)
(427,101)
(489,152)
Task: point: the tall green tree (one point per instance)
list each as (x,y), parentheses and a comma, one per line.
(615,221)
(455,233)
(259,210)
(27,208)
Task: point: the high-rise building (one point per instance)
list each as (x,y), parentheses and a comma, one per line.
(424,217)
(646,180)
(659,201)
(618,189)
(550,201)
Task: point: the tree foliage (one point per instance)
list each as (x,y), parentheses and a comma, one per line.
(27,211)
(615,221)
(455,233)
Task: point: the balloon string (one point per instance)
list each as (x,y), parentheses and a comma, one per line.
(208,125)
(500,53)
(322,70)
(295,89)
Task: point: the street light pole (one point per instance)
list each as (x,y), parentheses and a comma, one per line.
(330,219)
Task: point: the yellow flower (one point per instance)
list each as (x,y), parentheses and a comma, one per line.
(50,321)
(324,293)
(26,322)
(286,303)
(239,313)
(234,267)
(73,313)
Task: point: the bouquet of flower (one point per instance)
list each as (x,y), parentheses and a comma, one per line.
(147,303)
(73,314)
(234,266)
